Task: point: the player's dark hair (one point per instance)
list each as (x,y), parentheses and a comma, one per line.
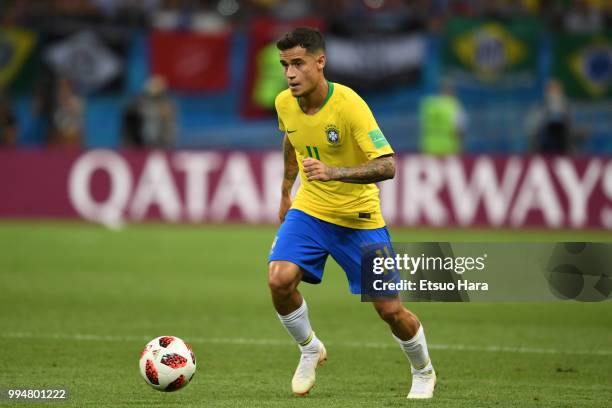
(308,38)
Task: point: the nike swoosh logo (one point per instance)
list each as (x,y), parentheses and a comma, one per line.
(291,131)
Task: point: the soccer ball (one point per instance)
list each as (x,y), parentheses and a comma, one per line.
(167,363)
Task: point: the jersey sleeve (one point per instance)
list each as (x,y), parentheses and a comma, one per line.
(366,131)
(281,124)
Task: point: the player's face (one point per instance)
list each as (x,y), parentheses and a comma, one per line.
(303,70)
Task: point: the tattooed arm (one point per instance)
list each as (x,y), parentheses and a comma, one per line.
(291,172)
(373,171)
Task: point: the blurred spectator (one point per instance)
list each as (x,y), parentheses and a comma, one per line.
(583,17)
(37,128)
(67,119)
(347,17)
(112,7)
(549,124)
(443,121)
(8,123)
(150,119)
(292,9)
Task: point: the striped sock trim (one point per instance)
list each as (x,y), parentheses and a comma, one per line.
(308,340)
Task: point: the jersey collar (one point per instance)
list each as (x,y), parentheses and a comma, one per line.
(330,91)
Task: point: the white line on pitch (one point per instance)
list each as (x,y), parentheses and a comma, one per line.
(272,342)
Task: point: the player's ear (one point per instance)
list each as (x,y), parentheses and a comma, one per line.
(321,60)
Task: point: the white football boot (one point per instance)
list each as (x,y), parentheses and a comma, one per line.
(304,377)
(423,384)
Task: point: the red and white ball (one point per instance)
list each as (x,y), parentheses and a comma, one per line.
(167,363)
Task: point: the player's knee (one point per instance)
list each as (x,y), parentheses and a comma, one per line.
(389,311)
(282,276)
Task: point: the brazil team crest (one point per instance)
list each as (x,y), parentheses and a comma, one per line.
(333,134)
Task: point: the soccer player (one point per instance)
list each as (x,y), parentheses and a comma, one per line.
(333,141)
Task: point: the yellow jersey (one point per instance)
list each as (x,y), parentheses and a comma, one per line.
(343,133)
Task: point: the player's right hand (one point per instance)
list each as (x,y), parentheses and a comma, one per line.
(285,204)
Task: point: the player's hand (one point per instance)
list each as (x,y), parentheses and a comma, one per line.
(285,204)
(316,170)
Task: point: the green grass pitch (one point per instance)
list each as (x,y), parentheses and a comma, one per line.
(78,302)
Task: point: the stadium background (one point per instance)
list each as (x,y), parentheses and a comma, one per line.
(79,299)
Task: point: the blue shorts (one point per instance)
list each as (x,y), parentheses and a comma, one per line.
(307,241)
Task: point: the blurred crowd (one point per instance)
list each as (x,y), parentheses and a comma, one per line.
(149,118)
(572,15)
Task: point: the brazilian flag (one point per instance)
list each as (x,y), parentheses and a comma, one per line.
(16,47)
(583,63)
(489,52)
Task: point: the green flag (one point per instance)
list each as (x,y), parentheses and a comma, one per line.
(491,53)
(583,63)
(16,45)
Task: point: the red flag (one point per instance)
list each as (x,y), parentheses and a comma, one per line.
(191,61)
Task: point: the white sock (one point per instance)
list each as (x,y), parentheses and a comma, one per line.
(416,351)
(298,326)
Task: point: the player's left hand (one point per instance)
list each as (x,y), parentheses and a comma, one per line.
(316,170)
